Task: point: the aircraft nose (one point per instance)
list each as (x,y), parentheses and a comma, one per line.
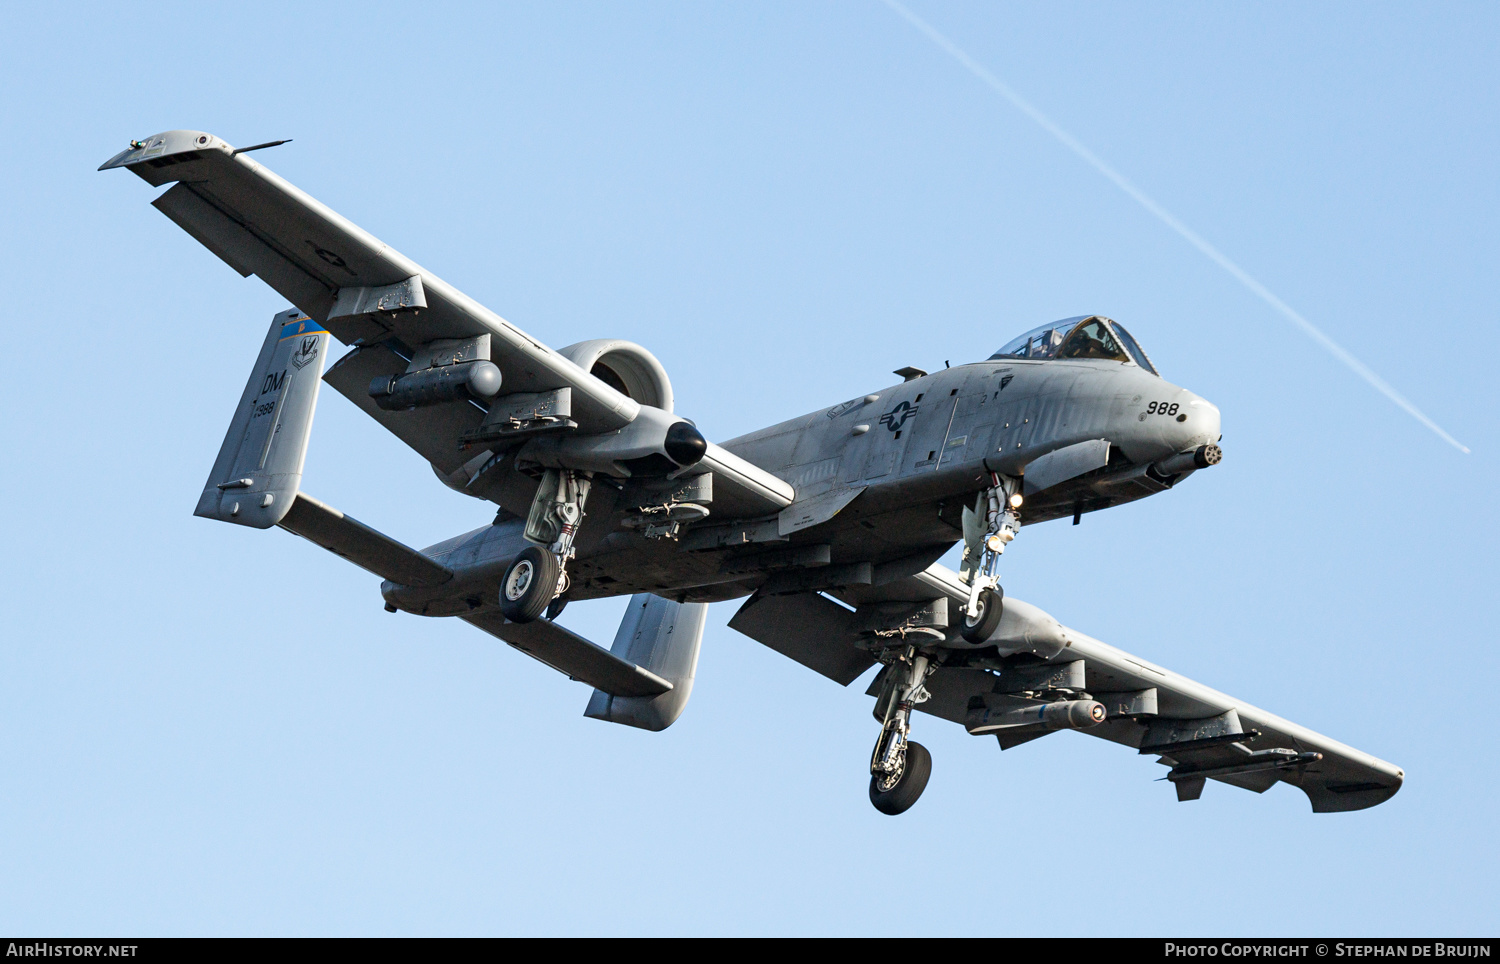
(1197,422)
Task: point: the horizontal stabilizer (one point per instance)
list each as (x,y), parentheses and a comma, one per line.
(260,463)
(569,653)
(361,545)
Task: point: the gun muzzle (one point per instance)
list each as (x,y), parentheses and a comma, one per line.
(1199,458)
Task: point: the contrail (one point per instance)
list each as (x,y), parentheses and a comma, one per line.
(1165,216)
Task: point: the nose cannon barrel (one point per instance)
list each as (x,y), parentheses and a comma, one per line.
(1199,458)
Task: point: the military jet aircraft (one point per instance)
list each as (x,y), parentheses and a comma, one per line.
(831,523)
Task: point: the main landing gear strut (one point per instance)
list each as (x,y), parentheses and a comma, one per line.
(998,507)
(899,767)
(538,577)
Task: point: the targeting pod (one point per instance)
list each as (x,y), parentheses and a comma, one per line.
(396,393)
(1063,715)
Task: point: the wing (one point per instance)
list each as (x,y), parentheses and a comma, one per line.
(1200,733)
(360,289)
(388,307)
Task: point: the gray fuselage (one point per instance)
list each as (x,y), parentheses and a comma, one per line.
(898,465)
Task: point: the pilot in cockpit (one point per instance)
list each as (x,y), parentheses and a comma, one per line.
(1087,336)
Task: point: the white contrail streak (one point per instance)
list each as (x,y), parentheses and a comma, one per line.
(1165,216)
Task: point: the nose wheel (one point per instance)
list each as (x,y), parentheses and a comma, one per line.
(988,527)
(989,606)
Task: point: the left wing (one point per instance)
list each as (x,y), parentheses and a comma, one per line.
(1041,670)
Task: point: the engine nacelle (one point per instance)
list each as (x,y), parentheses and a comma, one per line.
(656,443)
(626,367)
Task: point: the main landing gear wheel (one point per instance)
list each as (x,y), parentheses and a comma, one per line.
(529,585)
(980,628)
(895,793)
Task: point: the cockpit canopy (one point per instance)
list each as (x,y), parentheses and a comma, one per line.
(1087,336)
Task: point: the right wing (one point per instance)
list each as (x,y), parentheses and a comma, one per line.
(386,306)
(356,286)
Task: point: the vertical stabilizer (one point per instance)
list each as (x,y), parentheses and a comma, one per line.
(661,636)
(259,468)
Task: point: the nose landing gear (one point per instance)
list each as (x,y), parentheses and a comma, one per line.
(899,767)
(1000,505)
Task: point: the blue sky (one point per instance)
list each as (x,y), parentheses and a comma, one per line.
(207,730)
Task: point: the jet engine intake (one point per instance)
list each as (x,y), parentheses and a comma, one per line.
(396,393)
(626,367)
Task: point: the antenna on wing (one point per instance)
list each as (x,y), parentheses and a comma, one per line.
(260,147)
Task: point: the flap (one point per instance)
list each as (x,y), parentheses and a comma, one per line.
(806,513)
(807,628)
